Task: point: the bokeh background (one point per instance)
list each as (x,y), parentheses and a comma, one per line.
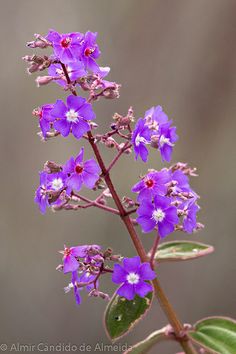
(180,54)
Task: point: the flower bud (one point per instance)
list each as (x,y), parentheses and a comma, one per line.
(40,42)
(51,167)
(43,80)
(112,92)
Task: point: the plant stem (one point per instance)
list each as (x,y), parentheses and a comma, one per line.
(153,251)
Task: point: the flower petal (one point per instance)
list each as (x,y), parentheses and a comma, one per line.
(86,111)
(80,157)
(132,264)
(119,274)
(75,102)
(69,166)
(62,126)
(75,182)
(146,223)
(59,109)
(146,273)
(79,128)
(165,228)
(127,291)
(91,166)
(89,179)
(70,264)
(142,288)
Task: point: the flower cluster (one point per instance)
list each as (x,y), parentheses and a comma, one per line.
(87,264)
(155,130)
(165,199)
(59,183)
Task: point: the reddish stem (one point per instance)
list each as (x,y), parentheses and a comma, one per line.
(153,251)
(116,158)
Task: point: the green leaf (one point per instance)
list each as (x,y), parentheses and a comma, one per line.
(148,343)
(215,334)
(121,314)
(181,251)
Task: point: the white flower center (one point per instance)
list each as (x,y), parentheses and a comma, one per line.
(72,116)
(132,278)
(57,184)
(163,140)
(158,215)
(139,139)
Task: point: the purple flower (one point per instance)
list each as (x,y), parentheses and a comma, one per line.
(75,70)
(160,213)
(163,135)
(80,172)
(190,217)
(167,139)
(53,182)
(75,284)
(133,276)
(41,197)
(67,47)
(56,181)
(45,118)
(90,51)
(140,138)
(73,116)
(181,182)
(152,184)
(70,263)
(156,117)
(74,280)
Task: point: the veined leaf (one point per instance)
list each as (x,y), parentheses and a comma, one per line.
(121,314)
(181,251)
(215,334)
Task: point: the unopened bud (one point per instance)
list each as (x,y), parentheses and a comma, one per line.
(110,142)
(155,141)
(40,42)
(112,92)
(100,294)
(52,167)
(43,80)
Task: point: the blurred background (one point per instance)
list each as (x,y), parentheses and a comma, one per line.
(179,54)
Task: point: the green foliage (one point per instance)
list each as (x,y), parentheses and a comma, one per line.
(216,335)
(121,314)
(181,251)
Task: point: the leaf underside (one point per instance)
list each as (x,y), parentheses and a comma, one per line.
(182,251)
(145,345)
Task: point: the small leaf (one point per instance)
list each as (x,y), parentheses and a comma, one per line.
(149,342)
(181,251)
(121,314)
(215,334)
